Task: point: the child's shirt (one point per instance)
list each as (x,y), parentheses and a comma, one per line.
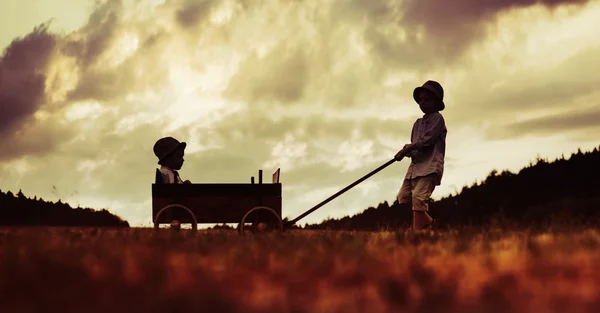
(168,175)
(429,133)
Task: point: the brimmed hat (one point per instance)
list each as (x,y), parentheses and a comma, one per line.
(165,146)
(434,87)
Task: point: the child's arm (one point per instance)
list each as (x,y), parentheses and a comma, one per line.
(407,150)
(431,135)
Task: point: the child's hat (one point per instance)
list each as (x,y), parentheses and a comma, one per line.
(167,145)
(434,87)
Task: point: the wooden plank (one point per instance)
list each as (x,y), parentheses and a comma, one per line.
(188,190)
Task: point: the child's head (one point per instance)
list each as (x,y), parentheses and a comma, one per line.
(169,152)
(430,97)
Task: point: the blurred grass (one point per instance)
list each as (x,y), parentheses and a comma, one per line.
(140,270)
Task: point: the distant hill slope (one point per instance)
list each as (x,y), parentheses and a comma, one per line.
(565,190)
(18,210)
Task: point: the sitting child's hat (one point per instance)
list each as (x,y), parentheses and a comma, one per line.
(434,87)
(165,146)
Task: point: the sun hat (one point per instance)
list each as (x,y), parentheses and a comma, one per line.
(165,146)
(435,88)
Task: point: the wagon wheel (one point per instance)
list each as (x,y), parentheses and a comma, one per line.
(261,219)
(194,222)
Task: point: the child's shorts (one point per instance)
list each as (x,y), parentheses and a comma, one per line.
(417,191)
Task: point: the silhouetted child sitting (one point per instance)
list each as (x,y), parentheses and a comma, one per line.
(427,151)
(169,152)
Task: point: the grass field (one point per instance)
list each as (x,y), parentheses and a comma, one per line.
(139,270)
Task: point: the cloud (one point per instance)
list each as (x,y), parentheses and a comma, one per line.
(451,26)
(583,119)
(193,12)
(112,54)
(256,125)
(90,42)
(282,75)
(23,68)
(43,74)
(528,68)
(549,86)
(528,90)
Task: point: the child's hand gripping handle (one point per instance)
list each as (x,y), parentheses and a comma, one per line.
(404,151)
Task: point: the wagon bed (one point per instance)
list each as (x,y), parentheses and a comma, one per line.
(217,203)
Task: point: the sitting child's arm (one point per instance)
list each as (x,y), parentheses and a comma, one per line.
(167,177)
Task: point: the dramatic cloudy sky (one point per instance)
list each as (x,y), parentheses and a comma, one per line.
(320,88)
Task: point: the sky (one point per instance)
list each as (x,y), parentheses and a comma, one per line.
(319,88)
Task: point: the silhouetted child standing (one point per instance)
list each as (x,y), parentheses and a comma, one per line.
(427,151)
(169,152)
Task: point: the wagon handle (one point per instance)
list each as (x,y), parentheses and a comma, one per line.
(388,163)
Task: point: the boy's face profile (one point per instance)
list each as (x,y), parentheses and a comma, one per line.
(175,160)
(427,101)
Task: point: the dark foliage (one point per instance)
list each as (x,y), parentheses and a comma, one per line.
(542,194)
(18,210)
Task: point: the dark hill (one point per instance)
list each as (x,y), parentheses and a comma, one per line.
(565,191)
(18,210)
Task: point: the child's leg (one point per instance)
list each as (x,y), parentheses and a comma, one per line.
(421,219)
(421,194)
(405,195)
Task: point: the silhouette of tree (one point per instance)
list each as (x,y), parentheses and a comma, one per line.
(22,211)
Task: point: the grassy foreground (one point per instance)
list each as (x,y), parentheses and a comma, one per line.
(139,270)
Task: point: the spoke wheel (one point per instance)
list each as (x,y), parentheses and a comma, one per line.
(260,219)
(174,222)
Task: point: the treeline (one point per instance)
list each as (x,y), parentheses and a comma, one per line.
(18,210)
(565,191)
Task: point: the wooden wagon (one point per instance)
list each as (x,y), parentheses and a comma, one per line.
(245,204)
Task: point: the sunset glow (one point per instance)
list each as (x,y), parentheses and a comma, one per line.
(320,89)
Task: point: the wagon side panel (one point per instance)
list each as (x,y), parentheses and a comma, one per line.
(222,209)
